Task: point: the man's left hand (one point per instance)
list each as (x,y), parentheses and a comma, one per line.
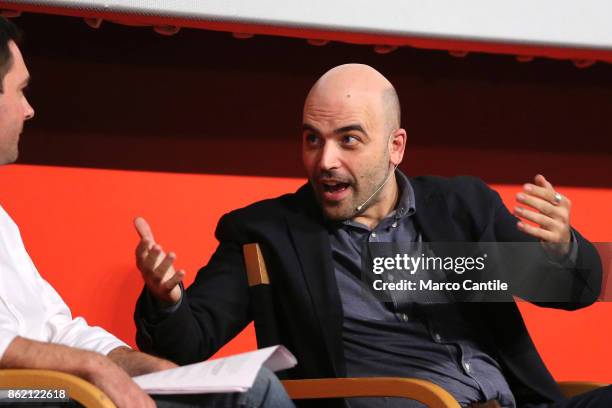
(552,215)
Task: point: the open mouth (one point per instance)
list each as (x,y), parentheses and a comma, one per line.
(331,187)
(335,191)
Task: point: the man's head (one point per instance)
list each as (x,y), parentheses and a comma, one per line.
(352,139)
(14,107)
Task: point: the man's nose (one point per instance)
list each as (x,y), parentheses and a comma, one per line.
(29,110)
(330,157)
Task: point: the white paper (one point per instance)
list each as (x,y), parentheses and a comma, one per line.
(231,374)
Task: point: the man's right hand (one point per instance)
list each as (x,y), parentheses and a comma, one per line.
(157,267)
(94,367)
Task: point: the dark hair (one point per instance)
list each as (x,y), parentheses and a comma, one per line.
(8,32)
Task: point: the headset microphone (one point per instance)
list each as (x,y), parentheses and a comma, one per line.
(378,189)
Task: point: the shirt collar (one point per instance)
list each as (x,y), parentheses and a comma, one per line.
(406,202)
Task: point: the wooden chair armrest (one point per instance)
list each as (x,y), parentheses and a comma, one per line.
(426,392)
(572,388)
(78,389)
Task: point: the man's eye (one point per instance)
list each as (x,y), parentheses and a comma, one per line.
(312,139)
(349,139)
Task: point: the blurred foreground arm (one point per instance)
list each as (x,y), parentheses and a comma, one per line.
(93,367)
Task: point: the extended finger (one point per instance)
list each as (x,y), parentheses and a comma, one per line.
(545,193)
(539,204)
(558,199)
(143,229)
(541,181)
(142,250)
(152,260)
(174,280)
(539,233)
(542,220)
(559,213)
(165,265)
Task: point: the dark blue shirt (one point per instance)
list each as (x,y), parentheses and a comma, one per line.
(402,338)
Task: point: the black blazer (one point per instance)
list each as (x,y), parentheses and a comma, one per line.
(295,244)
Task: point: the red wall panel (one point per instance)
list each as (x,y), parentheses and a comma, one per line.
(77,226)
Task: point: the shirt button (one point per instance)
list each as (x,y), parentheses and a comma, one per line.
(404,317)
(373,235)
(466,365)
(437,337)
(394,224)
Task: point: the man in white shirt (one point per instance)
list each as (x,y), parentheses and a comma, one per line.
(37,329)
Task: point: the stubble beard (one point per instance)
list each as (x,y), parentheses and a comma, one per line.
(361,191)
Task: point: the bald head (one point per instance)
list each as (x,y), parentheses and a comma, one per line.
(352,141)
(358,81)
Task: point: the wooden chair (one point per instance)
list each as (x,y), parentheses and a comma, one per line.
(423,391)
(572,388)
(78,389)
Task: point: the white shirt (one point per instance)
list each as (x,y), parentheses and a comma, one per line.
(31,308)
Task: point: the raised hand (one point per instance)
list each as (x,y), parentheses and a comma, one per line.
(157,267)
(552,215)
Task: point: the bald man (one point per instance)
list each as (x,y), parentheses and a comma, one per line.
(352,144)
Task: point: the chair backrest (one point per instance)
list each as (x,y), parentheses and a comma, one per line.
(262,304)
(605,254)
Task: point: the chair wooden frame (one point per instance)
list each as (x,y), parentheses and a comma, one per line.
(570,389)
(423,391)
(78,389)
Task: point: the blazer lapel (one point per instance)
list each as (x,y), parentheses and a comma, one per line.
(313,249)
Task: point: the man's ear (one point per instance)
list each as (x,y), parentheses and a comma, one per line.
(397,145)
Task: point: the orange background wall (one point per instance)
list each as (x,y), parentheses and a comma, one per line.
(200,123)
(76,224)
